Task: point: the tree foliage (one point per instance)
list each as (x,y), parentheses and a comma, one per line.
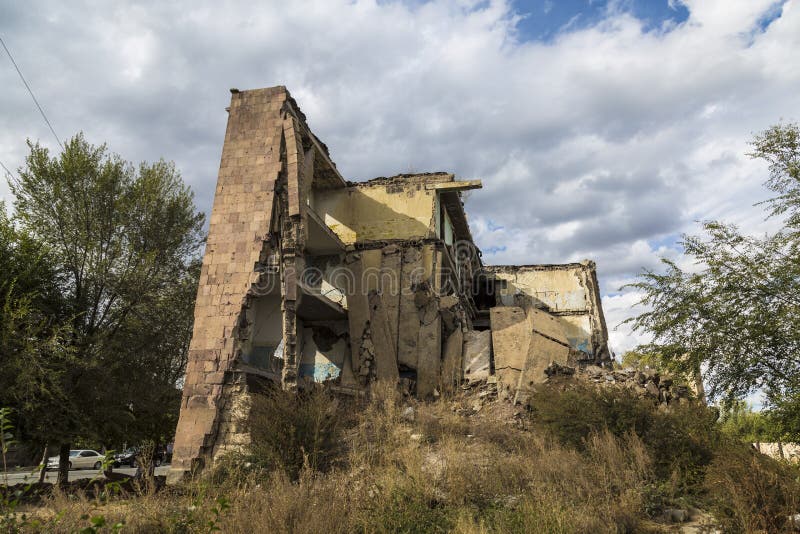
(640,360)
(122,244)
(736,311)
(34,350)
(738,419)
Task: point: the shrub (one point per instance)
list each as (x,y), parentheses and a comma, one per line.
(408,510)
(377,422)
(548,486)
(680,439)
(571,416)
(681,442)
(312,504)
(750,492)
(291,430)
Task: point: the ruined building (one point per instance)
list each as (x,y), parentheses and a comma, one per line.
(309,277)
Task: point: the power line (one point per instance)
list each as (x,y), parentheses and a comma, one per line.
(28,87)
(7,171)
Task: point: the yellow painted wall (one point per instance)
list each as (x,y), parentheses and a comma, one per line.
(377,212)
(563,291)
(560,290)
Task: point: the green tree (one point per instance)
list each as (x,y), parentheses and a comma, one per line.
(736,313)
(738,419)
(638,360)
(125,242)
(34,351)
(784,415)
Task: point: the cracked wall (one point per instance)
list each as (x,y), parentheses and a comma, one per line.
(238,228)
(568,292)
(309,278)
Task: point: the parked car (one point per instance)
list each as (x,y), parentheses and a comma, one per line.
(79,459)
(130,457)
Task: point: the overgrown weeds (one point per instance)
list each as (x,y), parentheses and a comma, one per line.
(680,439)
(291,431)
(750,492)
(389,464)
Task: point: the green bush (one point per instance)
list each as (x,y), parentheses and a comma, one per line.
(571,416)
(290,431)
(680,440)
(409,511)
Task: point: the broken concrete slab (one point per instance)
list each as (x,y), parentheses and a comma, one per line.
(477,355)
(511,336)
(357,309)
(408,320)
(348,378)
(385,350)
(547,325)
(448,301)
(391,266)
(451,312)
(428,347)
(451,361)
(542,353)
(429,343)
(549,344)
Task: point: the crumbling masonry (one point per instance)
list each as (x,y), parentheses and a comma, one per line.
(310,278)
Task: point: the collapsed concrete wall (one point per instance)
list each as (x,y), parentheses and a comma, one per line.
(398,318)
(569,292)
(310,278)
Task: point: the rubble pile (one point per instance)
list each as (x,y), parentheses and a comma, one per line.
(646,383)
(480,392)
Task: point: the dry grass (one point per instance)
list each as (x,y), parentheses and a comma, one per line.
(750,492)
(387,472)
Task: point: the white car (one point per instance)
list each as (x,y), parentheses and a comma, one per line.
(79,459)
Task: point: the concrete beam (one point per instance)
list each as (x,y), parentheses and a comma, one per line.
(456,186)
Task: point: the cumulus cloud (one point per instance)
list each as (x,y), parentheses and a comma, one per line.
(605,141)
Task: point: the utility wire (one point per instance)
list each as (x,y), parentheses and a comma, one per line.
(7,171)
(28,87)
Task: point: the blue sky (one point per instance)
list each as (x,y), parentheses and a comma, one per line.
(545,19)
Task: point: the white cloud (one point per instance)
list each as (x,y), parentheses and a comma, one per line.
(604,143)
(617,308)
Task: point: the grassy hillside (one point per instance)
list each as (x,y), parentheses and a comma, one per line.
(581,458)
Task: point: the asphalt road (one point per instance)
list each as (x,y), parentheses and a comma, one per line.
(75,474)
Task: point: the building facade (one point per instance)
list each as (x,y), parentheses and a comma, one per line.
(310,278)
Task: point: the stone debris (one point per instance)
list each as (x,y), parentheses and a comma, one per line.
(480,393)
(648,383)
(675,515)
(408,414)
